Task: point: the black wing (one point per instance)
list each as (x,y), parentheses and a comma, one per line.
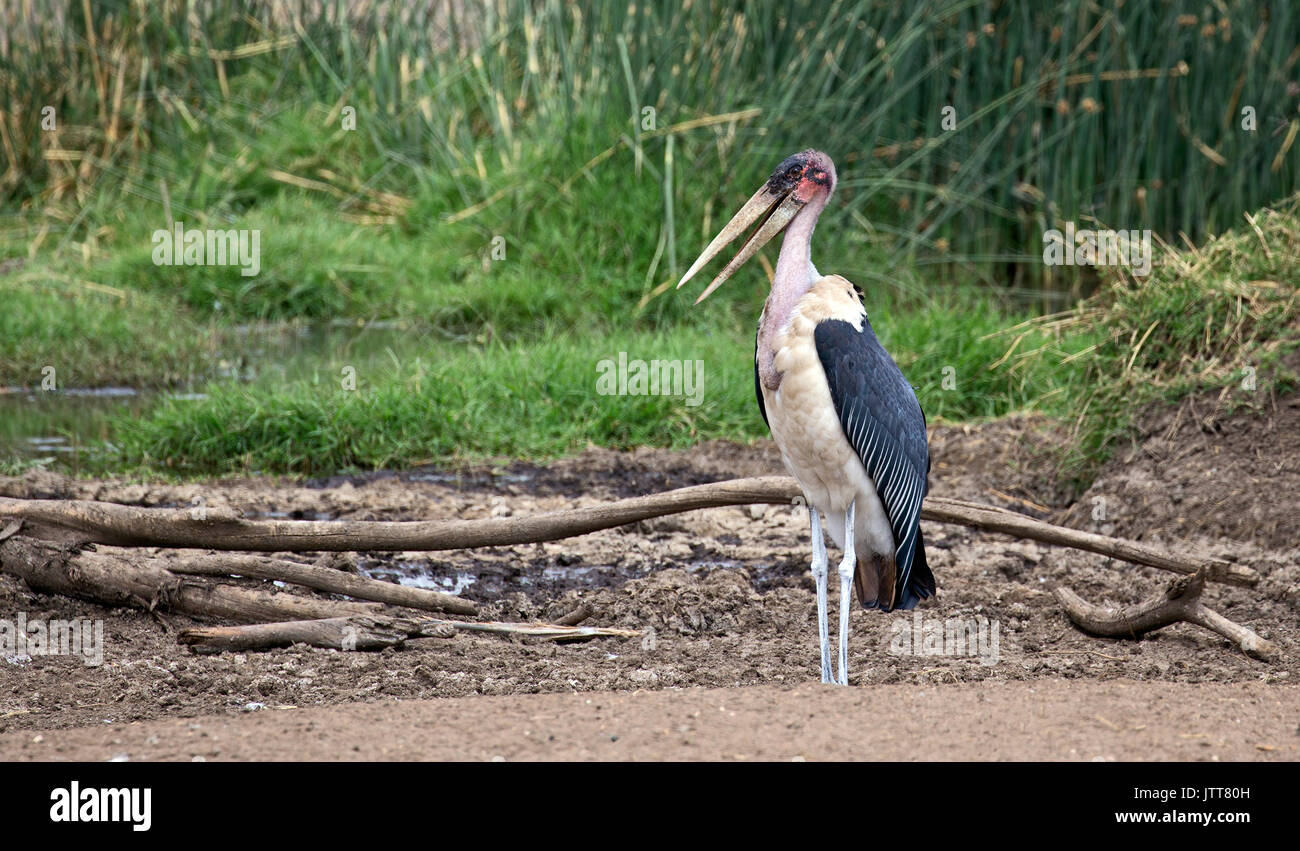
(883,421)
(758,388)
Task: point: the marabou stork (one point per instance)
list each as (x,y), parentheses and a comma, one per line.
(848,424)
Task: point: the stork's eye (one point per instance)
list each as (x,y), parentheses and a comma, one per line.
(794,171)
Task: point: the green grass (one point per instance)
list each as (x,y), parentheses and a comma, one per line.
(1123,114)
(431,402)
(1201,319)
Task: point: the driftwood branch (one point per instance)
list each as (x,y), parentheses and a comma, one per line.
(124,578)
(223,529)
(371,632)
(319,578)
(1181,601)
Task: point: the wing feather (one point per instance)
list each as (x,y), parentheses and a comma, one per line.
(884,423)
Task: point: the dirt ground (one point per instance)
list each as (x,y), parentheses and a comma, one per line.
(1049,720)
(727,611)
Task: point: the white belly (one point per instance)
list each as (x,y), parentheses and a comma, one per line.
(807,430)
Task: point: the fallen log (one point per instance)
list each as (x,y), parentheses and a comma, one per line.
(1180,602)
(374,632)
(360,632)
(223,529)
(319,578)
(129,580)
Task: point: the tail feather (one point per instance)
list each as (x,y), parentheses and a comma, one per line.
(870,576)
(876,581)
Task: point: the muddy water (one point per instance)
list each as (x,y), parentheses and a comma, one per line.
(487,581)
(59,427)
(491,581)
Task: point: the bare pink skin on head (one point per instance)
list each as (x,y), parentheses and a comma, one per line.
(790,200)
(811,174)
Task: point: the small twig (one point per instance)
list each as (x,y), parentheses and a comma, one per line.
(1181,601)
(576,616)
(540,630)
(1108,723)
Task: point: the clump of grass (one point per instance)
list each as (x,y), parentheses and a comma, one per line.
(1209,316)
(446,403)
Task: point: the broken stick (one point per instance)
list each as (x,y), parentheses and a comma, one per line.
(374,632)
(991,518)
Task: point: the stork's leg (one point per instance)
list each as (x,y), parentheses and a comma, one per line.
(820,568)
(848,565)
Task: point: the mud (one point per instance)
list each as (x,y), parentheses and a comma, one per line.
(722,596)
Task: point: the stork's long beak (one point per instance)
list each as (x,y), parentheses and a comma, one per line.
(779,208)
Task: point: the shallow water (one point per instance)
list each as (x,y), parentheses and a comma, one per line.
(60,427)
(489,581)
(66,427)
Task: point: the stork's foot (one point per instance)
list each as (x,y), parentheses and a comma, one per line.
(820,569)
(846,586)
(848,565)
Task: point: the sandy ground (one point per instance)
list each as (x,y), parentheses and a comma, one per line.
(727,613)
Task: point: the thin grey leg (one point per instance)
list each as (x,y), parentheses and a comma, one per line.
(820,569)
(847,566)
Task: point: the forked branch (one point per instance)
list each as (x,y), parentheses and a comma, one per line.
(1180,602)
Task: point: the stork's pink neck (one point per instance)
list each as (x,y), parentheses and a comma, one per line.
(795,275)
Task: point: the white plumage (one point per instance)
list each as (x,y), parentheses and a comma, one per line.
(806,428)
